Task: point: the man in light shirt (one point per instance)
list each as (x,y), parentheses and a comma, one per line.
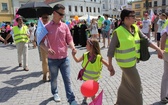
(21,38)
(146,25)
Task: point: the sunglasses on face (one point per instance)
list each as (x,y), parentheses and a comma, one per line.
(60,13)
(132,16)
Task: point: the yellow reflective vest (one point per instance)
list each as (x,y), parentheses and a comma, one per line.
(127,53)
(164,26)
(20,35)
(93,70)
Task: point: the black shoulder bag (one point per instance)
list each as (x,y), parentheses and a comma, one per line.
(144,52)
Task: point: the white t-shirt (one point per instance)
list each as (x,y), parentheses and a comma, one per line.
(31,30)
(160,23)
(145,24)
(94,29)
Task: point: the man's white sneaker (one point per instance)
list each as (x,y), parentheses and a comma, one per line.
(57,98)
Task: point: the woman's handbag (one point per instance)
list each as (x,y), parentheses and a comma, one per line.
(81,72)
(144,52)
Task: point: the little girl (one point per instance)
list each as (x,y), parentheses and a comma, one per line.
(94,67)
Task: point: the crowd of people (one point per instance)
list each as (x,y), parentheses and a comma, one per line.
(123,44)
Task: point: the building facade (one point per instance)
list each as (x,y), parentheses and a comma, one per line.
(73,7)
(91,7)
(18,3)
(113,7)
(6,11)
(158,6)
(140,7)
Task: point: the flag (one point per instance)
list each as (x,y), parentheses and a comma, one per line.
(88,19)
(41,31)
(98,99)
(152,15)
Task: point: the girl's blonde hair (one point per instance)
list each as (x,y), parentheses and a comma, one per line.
(95,45)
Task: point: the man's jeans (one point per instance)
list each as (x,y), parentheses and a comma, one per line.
(64,66)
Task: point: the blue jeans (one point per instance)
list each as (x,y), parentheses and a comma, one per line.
(64,66)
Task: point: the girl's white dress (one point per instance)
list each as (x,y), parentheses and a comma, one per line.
(94,29)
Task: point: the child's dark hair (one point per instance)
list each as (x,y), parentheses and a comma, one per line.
(95,44)
(32,24)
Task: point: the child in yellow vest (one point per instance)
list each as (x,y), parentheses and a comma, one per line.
(94,66)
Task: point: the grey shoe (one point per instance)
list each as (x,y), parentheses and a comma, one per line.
(164,101)
(57,98)
(84,102)
(74,103)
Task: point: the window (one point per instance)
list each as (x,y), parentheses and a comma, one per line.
(87,10)
(137,6)
(103,6)
(4,7)
(69,8)
(76,10)
(90,9)
(137,13)
(81,9)
(150,4)
(155,3)
(144,5)
(163,2)
(99,10)
(22,4)
(155,11)
(94,0)
(163,10)
(94,9)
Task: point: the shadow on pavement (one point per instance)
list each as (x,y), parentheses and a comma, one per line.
(19,79)
(153,52)
(4,71)
(25,76)
(158,103)
(45,102)
(4,96)
(9,46)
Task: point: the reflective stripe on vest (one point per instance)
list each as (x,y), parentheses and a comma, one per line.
(93,70)
(20,35)
(128,51)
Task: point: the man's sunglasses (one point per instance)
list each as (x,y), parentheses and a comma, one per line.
(60,13)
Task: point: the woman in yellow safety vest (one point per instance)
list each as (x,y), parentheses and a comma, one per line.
(125,46)
(164,83)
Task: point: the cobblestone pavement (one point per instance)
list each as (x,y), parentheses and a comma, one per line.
(18,87)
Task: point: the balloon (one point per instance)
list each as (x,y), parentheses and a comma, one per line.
(76,18)
(101,19)
(89,88)
(67,22)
